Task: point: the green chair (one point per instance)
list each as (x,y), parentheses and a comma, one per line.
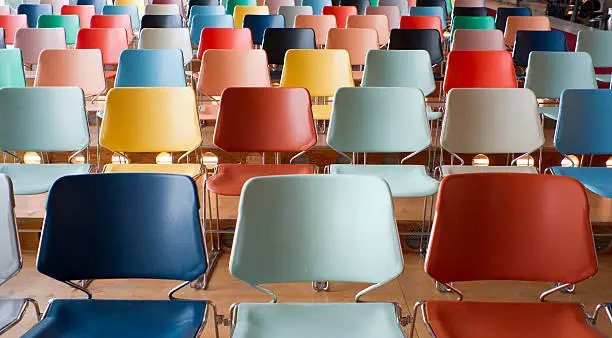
(332,227)
(550,73)
(598,43)
(229,7)
(70,24)
(11,68)
(472,22)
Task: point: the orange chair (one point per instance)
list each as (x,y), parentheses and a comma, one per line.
(320,24)
(224,38)
(110,41)
(11,24)
(84,12)
(341,13)
(357,42)
(524,23)
(422,22)
(114,21)
(476,237)
(378,22)
(479,69)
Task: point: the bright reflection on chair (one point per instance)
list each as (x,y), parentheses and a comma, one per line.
(567,161)
(609,162)
(525,161)
(119,159)
(163,158)
(209,160)
(31,157)
(480,160)
(80,159)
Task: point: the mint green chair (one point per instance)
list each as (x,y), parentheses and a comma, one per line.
(472,22)
(70,24)
(598,43)
(11,68)
(43,119)
(332,227)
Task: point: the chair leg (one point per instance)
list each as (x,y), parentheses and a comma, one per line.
(214,252)
(320,286)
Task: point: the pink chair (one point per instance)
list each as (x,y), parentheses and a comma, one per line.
(85,12)
(478,39)
(32,41)
(378,22)
(11,24)
(5,10)
(392,12)
(114,21)
(274,5)
(320,24)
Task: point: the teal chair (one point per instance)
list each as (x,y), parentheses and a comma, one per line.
(229,6)
(205,10)
(472,22)
(43,119)
(325,232)
(150,68)
(11,68)
(70,24)
(598,43)
(550,73)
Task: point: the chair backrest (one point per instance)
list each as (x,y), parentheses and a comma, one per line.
(162,9)
(361,5)
(422,22)
(98,4)
(11,68)
(378,22)
(132,11)
(491,121)
(221,69)
(399,68)
(56,4)
(584,122)
(277,41)
(74,67)
(434,3)
(502,14)
(320,24)
(150,68)
(114,21)
(341,13)
(224,38)
(10,254)
(161,21)
(321,72)
(291,12)
(110,41)
(598,44)
(142,201)
(151,119)
(469,4)
(392,13)
(543,77)
(258,24)
(85,12)
(167,38)
(33,11)
(32,41)
(471,22)
(200,21)
(430,11)
(478,39)
(470,11)
(317,5)
(204,3)
(205,10)
(11,24)
(479,69)
(231,4)
(263,235)
(241,11)
(70,24)
(417,39)
(399,124)
(524,23)
(531,41)
(356,41)
(140,4)
(43,119)
(551,245)
(274,5)
(402,5)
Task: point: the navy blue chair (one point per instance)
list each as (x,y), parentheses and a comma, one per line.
(98,4)
(259,23)
(117,226)
(150,68)
(132,11)
(33,11)
(161,21)
(583,128)
(503,13)
(536,41)
(2,41)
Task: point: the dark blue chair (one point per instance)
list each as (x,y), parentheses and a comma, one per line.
(33,11)
(536,41)
(116,226)
(98,4)
(259,23)
(583,128)
(161,21)
(2,41)
(150,68)
(503,13)
(132,11)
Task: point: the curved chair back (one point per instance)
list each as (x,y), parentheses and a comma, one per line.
(274,5)
(205,10)
(114,21)
(258,24)
(391,12)
(524,23)
(422,22)
(161,21)
(32,41)
(74,67)
(598,44)
(132,11)
(110,41)
(341,13)
(545,81)
(418,39)
(150,68)
(98,4)
(200,21)
(361,5)
(162,9)
(167,38)
(223,69)
(471,22)
(434,3)
(224,38)
(291,12)
(11,68)
(380,23)
(317,5)
(479,69)
(277,41)
(532,41)
(258,257)
(140,4)
(430,11)
(70,24)
(10,254)
(468,4)
(43,119)
(399,125)
(531,250)
(502,14)
(400,4)
(241,11)
(491,121)
(11,24)
(399,68)
(55,4)
(320,24)
(85,12)
(204,3)
(470,11)
(231,4)
(478,39)
(356,41)
(33,11)
(151,119)
(142,199)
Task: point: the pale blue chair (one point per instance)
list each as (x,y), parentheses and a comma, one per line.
(200,22)
(429,11)
(205,10)
(132,11)
(150,68)
(598,43)
(317,5)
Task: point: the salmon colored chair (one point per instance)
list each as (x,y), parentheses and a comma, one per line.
(422,22)
(357,42)
(110,41)
(392,12)
(341,13)
(241,11)
(476,237)
(114,21)
(469,3)
(32,41)
(11,24)
(224,38)
(478,39)
(84,12)
(524,23)
(274,5)
(380,23)
(320,24)
(479,69)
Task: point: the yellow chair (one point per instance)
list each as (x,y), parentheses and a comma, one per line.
(145,120)
(321,71)
(241,11)
(138,3)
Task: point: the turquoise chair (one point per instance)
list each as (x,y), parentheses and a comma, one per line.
(229,6)
(200,22)
(472,22)
(11,68)
(598,43)
(132,11)
(205,10)
(317,5)
(324,232)
(550,73)
(583,128)
(70,24)
(43,119)
(150,68)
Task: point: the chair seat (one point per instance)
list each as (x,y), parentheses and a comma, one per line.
(550,112)
(230,178)
(189,169)
(431,114)
(604,77)
(403,180)
(468,169)
(120,318)
(505,320)
(321,111)
(598,180)
(31,179)
(10,309)
(355,320)
(209,112)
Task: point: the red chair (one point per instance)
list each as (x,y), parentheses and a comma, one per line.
(224,38)
(110,41)
(11,24)
(85,12)
(114,21)
(422,22)
(501,227)
(479,69)
(341,13)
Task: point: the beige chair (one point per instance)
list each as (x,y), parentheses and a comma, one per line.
(478,39)
(524,23)
(378,22)
(162,9)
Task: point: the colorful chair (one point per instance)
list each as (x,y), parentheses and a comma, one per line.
(470,11)
(478,39)
(380,23)
(33,11)
(161,21)
(140,4)
(56,4)
(132,11)
(201,21)
(5,10)
(258,24)
(150,68)
(317,5)
(418,39)
(167,38)
(224,38)
(84,12)
(162,9)
(277,41)
(502,14)
(471,22)
(599,46)
(110,41)
(422,22)
(479,69)
(357,42)
(229,7)
(320,24)
(70,24)
(205,10)
(341,13)
(291,12)
(274,5)
(430,11)
(203,3)
(114,21)
(11,68)
(11,24)
(536,41)
(98,4)
(391,12)
(524,23)
(436,3)
(241,11)
(468,4)
(361,5)
(400,4)
(32,41)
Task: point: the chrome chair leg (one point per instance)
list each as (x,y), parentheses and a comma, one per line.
(320,286)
